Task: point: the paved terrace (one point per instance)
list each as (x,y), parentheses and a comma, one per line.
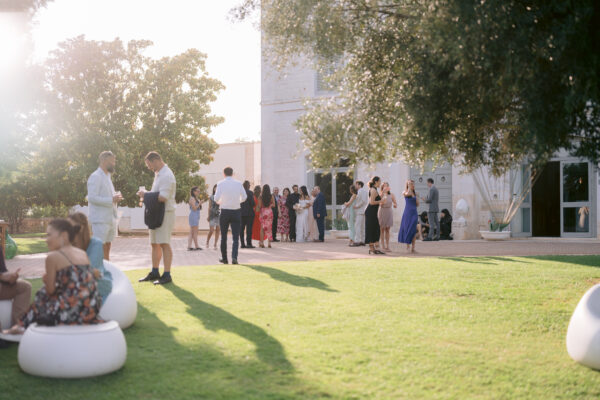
(134,252)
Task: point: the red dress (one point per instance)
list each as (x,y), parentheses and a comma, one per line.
(256,223)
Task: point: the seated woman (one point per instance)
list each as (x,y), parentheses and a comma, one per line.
(445,225)
(424,225)
(69,295)
(93,247)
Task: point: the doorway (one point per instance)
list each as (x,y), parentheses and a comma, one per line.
(545,202)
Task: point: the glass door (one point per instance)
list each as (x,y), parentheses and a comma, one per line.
(335,185)
(520,226)
(576,199)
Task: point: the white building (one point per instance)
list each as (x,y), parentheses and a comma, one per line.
(564,201)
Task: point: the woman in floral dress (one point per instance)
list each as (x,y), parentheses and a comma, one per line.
(266,204)
(256,223)
(69,295)
(283,222)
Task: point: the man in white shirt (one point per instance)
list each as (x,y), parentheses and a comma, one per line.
(362,198)
(102,201)
(160,238)
(230,193)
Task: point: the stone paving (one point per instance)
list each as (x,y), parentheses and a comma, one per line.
(134,252)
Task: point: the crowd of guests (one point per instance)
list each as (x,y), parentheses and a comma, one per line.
(76,283)
(296,216)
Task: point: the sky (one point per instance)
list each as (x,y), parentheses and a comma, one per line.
(232,47)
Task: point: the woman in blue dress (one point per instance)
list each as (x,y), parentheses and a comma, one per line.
(410,217)
(194,218)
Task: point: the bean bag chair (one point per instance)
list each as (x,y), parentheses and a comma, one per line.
(583,334)
(72,351)
(121,304)
(5,314)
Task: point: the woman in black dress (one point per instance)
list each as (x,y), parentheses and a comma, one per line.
(372,229)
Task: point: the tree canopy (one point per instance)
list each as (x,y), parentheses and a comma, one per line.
(110,96)
(480,83)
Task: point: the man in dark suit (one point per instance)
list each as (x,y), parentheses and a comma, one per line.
(433,199)
(275,213)
(320,212)
(247,217)
(292,200)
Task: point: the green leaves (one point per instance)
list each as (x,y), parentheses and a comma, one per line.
(110,96)
(481,83)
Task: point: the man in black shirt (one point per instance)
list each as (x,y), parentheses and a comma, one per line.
(291,200)
(247,217)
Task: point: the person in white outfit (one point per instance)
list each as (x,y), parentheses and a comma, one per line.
(103,200)
(361,202)
(160,238)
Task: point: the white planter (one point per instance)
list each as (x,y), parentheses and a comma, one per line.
(488,235)
(340,234)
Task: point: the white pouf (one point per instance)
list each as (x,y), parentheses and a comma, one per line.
(121,304)
(72,351)
(583,335)
(5,314)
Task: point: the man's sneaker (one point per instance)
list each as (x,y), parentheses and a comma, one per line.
(222,261)
(163,279)
(234,261)
(151,277)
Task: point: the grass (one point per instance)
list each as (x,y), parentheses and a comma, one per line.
(30,243)
(428,328)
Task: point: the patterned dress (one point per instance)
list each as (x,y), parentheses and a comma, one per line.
(283,222)
(266,222)
(75,301)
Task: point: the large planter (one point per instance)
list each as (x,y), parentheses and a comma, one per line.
(340,234)
(495,235)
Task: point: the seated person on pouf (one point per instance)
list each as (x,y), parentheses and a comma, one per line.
(15,289)
(95,252)
(423,227)
(445,225)
(69,295)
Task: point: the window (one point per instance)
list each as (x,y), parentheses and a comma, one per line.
(575,182)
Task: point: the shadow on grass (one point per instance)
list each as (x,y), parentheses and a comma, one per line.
(484,259)
(161,366)
(268,349)
(584,260)
(295,280)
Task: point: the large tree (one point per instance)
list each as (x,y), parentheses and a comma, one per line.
(110,96)
(480,82)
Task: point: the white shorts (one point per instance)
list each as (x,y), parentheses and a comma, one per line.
(162,235)
(104,232)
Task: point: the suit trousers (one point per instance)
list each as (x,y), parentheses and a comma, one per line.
(359,228)
(321,227)
(233,218)
(434,225)
(20,294)
(275,218)
(246,229)
(293,225)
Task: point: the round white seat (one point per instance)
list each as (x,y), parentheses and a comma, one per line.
(72,351)
(583,334)
(121,303)
(5,314)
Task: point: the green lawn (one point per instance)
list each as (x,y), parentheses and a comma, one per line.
(428,328)
(30,243)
